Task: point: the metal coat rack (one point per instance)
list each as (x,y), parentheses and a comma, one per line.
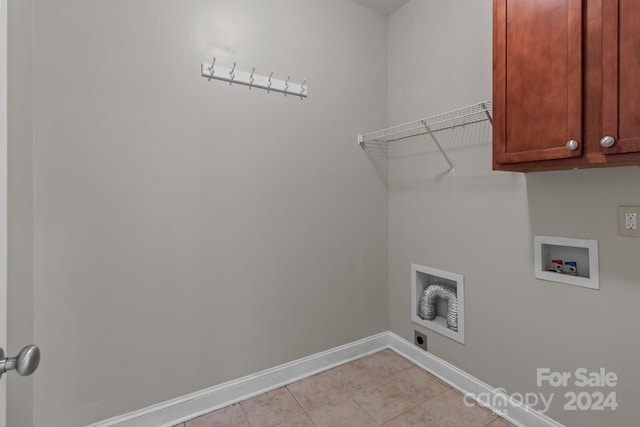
(251,79)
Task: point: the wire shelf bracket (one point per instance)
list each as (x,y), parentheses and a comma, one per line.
(376,144)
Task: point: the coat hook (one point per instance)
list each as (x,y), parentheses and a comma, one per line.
(302,88)
(286,83)
(269,84)
(251,76)
(232,73)
(212,64)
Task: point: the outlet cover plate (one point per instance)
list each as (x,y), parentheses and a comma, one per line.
(420,340)
(627,215)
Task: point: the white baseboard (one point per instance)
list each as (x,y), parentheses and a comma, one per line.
(172,412)
(178,410)
(495,400)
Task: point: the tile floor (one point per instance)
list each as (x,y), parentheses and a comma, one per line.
(383,389)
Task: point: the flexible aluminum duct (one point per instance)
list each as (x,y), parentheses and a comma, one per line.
(429,299)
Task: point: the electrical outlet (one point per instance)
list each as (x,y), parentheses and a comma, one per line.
(420,340)
(628,221)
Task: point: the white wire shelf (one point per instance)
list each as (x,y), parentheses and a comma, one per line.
(376,143)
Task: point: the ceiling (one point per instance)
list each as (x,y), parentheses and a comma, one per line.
(386,7)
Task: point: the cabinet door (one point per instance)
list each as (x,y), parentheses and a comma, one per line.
(621,76)
(537,85)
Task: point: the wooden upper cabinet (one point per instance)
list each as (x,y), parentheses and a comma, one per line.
(620,77)
(566,70)
(537,84)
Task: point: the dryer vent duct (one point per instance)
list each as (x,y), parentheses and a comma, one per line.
(429,300)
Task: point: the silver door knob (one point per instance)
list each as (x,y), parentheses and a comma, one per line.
(572,145)
(607,141)
(25,363)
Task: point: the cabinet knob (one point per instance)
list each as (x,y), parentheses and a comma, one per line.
(572,145)
(607,141)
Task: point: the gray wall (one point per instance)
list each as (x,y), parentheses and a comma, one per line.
(481,224)
(187,232)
